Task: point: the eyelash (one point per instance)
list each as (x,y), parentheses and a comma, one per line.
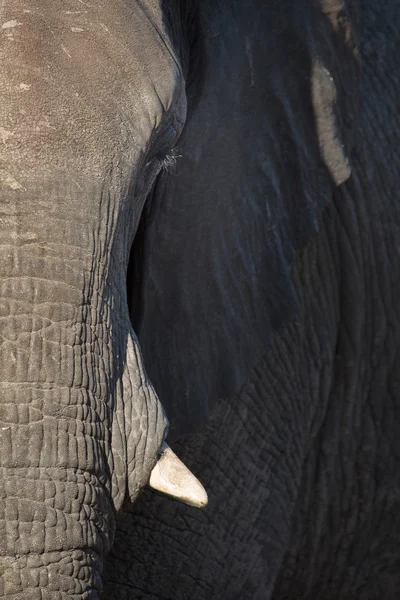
(170,160)
(167,162)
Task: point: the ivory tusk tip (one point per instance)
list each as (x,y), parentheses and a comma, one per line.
(171,477)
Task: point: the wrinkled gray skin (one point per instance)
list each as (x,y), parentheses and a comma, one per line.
(260,276)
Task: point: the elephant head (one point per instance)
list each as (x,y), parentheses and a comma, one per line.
(92,103)
(94,97)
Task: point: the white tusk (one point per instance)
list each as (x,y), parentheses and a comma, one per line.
(171,477)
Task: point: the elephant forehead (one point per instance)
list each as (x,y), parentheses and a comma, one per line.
(93,79)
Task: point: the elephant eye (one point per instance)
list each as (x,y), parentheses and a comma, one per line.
(162,150)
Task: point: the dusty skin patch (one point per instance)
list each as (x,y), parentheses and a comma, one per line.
(324,100)
(5,135)
(6,179)
(11,24)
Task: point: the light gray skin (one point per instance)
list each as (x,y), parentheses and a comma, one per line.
(262,284)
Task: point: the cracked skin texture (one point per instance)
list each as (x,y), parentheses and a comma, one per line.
(80,422)
(278,373)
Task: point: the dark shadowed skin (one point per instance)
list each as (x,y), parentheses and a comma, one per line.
(302,465)
(262,286)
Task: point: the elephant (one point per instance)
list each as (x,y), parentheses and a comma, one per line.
(199,230)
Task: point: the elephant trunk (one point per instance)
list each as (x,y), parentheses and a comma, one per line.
(56,510)
(74,573)
(58,386)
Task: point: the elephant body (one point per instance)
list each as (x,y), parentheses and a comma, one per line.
(254,284)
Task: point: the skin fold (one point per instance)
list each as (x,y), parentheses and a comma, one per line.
(251,287)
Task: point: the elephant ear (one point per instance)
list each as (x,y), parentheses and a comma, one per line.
(272,97)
